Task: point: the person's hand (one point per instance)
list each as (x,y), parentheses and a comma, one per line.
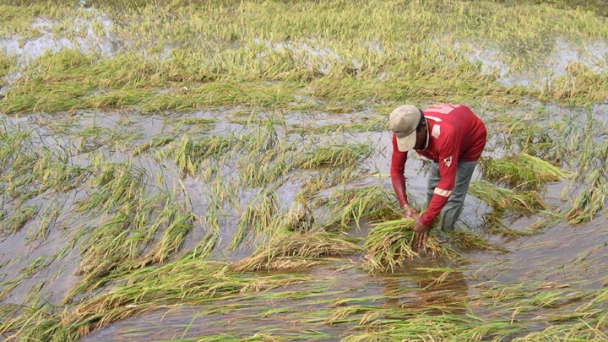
(421,232)
(408,211)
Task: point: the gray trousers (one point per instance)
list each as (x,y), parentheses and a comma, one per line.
(450,212)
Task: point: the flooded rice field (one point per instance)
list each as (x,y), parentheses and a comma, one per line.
(94,199)
(167,174)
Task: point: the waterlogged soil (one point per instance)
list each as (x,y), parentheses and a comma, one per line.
(561,256)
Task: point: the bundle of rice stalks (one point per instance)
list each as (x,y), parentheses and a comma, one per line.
(390,243)
(506,199)
(522,171)
(286,251)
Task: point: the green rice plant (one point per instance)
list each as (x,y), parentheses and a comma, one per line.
(206,245)
(266,158)
(53,170)
(263,138)
(103,249)
(193,125)
(580,82)
(288,251)
(260,172)
(368,125)
(47,218)
(502,199)
(152,143)
(184,281)
(260,216)
(113,184)
(468,241)
(525,136)
(21,215)
(521,171)
(117,99)
(327,178)
(589,203)
(181,222)
(354,205)
(7,64)
(188,153)
(37,264)
(425,325)
(390,243)
(9,285)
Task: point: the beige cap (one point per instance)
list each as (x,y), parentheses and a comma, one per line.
(403,122)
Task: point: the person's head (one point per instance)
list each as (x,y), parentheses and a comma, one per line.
(409,125)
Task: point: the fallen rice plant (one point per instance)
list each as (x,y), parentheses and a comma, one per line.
(504,200)
(258,217)
(521,171)
(354,205)
(336,156)
(288,251)
(188,154)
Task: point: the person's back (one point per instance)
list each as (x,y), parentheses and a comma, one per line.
(457,124)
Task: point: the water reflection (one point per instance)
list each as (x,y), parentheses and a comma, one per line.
(444,290)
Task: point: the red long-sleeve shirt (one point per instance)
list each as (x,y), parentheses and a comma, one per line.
(454,134)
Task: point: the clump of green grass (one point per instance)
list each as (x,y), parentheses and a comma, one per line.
(288,251)
(521,171)
(390,244)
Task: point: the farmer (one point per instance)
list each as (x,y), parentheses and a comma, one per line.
(453,138)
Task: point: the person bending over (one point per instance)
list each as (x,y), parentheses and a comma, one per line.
(453,138)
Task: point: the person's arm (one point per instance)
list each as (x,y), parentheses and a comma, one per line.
(398,160)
